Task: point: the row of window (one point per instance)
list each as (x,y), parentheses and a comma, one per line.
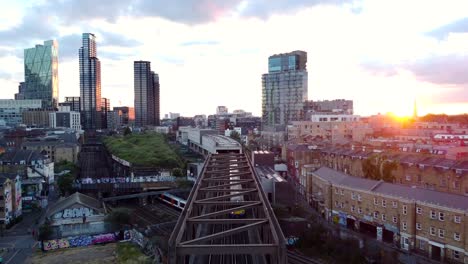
(423,246)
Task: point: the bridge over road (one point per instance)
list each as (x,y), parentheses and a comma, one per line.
(227,218)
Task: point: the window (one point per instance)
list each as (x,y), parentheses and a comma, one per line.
(384,217)
(433,214)
(422,244)
(395,204)
(384,203)
(336,203)
(455,254)
(404,225)
(432,231)
(457,219)
(353,196)
(408,177)
(405,209)
(376,202)
(418,226)
(359,210)
(441,216)
(456,236)
(342,205)
(359,198)
(342,192)
(418,210)
(394,219)
(441,233)
(336,190)
(376,214)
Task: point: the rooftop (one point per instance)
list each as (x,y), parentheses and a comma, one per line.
(18,156)
(223,141)
(399,191)
(268,173)
(76,198)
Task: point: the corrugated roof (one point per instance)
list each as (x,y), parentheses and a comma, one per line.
(418,194)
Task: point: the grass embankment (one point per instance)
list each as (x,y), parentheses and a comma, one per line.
(144,150)
(130,253)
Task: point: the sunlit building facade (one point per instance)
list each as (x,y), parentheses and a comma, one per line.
(41,74)
(90,83)
(284,88)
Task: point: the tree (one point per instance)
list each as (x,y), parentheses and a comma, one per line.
(119,217)
(127,131)
(177,172)
(65,184)
(45,230)
(235,135)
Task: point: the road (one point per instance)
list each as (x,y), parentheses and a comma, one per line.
(17,242)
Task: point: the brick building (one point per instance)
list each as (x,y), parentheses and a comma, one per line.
(425,221)
(427,171)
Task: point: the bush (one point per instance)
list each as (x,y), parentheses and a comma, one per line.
(129,253)
(177,172)
(119,217)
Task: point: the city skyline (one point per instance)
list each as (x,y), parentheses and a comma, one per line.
(356,51)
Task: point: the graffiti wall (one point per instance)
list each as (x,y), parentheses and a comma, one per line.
(78,241)
(74,213)
(19,200)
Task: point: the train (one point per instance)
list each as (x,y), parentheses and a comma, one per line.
(172,200)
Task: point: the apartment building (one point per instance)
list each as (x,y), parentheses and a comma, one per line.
(412,169)
(420,220)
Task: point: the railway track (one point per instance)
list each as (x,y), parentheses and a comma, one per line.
(295,258)
(162,208)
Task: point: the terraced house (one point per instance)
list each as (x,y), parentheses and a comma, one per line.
(415,219)
(422,170)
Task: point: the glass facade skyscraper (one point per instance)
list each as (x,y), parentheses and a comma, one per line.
(90,83)
(284,88)
(41,74)
(146,85)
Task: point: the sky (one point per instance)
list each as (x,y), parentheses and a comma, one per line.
(384,55)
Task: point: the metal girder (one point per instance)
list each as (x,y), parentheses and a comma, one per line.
(224,233)
(227,183)
(227,211)
(260,249)
(226,221)
(217,198)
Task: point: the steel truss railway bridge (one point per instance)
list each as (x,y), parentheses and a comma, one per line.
(207,232)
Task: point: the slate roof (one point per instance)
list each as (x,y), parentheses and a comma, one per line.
(399,191)
(16,156)
(76,198)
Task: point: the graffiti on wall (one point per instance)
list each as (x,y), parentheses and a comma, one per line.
(56,244)
(74,213)
(78,241)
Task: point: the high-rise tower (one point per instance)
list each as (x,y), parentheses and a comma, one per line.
(41,74)
(284,88)
(90,83)
(146,87)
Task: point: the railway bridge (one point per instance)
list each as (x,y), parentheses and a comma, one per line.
(227,218)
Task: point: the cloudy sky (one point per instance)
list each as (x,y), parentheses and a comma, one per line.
(382,54)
